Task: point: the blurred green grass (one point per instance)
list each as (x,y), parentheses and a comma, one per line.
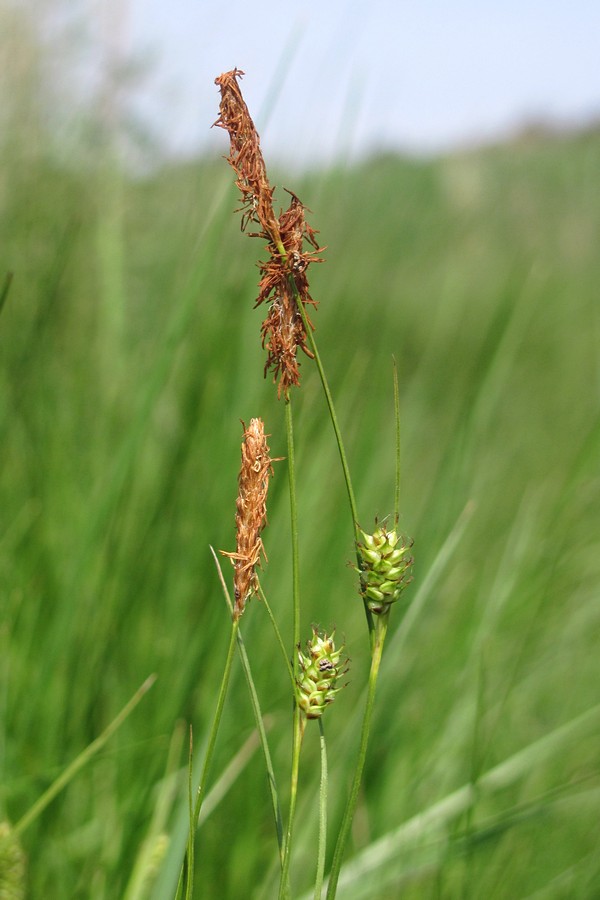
(130,351)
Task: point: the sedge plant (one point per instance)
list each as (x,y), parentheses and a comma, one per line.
(383,561)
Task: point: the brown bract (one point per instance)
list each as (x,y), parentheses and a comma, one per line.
(251,512)
(283,283)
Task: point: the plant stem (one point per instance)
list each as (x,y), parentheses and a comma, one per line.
(79,762)
(397,421)
(5,289)
(299,723)
(209,754)
(313,346)
(330,405)
(258,716)
(189,857)
(338,436)
(379,640)
(284,889)
(322,814)
(288,664)
(289,422)
(260,726)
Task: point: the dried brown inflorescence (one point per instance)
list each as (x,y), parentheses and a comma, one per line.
(251,512)
(283,281)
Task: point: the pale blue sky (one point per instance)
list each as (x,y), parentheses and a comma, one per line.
(349,77)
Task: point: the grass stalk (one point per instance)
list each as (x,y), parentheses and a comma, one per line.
(275,626)
(260,725)
(298,734)
(79,762)
(330,405)
(201,792)
(154,845)
(289,423)
(338,436)
(258,716)
(188,861)
(298,729)
(5,289)
(323,791)
(380,635)
(397,423)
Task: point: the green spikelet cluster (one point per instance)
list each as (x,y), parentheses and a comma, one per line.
(319,669)
(384,567)
(12,865)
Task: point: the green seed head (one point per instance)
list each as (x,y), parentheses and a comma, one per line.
(319,669)
(384,567)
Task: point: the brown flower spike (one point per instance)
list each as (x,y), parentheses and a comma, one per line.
(251,512)
(283,283)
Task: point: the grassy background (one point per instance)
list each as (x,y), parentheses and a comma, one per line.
(130,351)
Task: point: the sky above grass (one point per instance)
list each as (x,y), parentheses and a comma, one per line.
(336,77)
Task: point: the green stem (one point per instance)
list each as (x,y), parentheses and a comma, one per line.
(332,412)
(5,289)
(313,346)
(299,723)
(189,857)
(337,432)
(288,664)
(260,726)
(289,422)
(284,889)
(61,782)
(258,716)
(209,754)
(397,421)
(380,633)
(322,814)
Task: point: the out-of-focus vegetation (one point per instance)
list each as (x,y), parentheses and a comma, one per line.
(130,351)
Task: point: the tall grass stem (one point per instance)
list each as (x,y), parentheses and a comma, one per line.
(297,724)
(380,634)
(61,782)
(258,716)
(397,422)
(338,438)
(323,791)
(200,794)
(275,626)
(5,289)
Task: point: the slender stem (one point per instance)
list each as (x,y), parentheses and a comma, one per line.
(216,720)
(69,773)
(299,723)
(210,751)
(5,289)
(380,633)
(322,814)
(188,863)
(397,421)
(334,422)
(330,405)
(327,392)
(277,635)
(338,436)
(284,889)
(258,716)
(289,422)
(260,725)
